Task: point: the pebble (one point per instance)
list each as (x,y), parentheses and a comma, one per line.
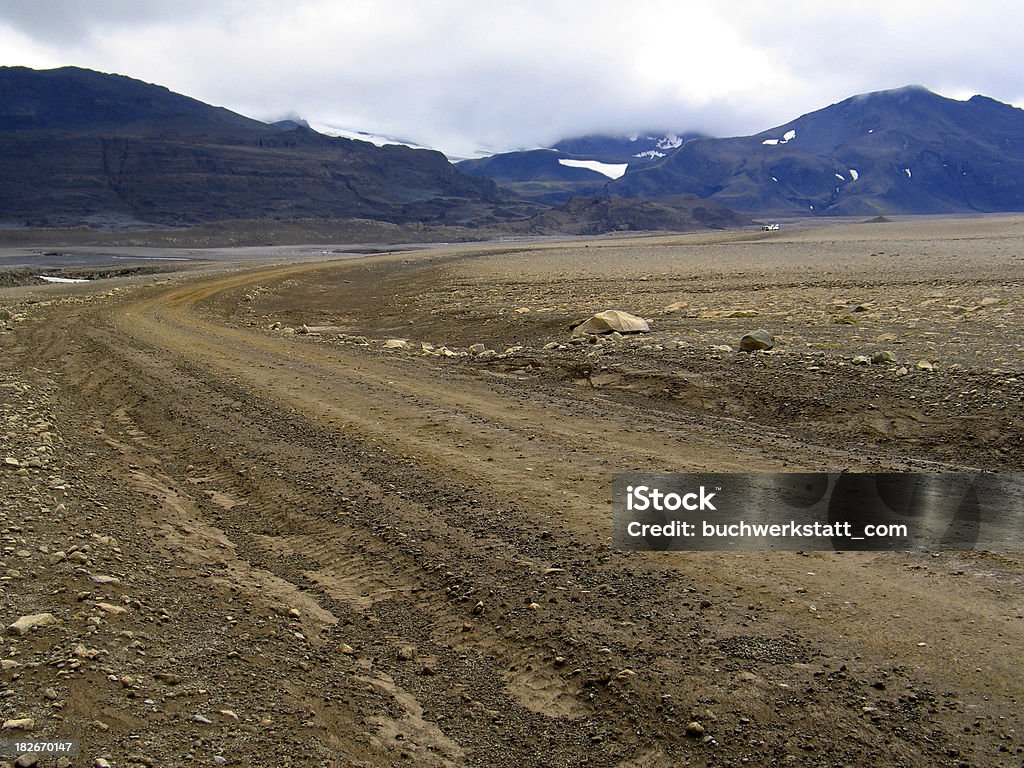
(694,729)
(201,720)
(407,653)
(19,724)
(26,761)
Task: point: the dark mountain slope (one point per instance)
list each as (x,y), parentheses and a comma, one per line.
(84,147)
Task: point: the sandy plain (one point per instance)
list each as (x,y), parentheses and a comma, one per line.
(264,546)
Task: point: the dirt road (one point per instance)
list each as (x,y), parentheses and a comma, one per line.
(275,548)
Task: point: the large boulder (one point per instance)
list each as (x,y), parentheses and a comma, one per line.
(612,320)
(759,339)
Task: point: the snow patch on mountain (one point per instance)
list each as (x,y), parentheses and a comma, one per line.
(787,137)
(612,171)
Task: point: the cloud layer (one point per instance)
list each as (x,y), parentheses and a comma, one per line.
(459,75)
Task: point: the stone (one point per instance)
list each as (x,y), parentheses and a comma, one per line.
(925,365)
(26,624)
(694,729)
(19,724)
(100,762)
(111,580)
(201,720)
(26,761)
(476,349)
(396,344)
(612,320)
(407,653)
(110,608)
(86,653)
(861,360)
(755,340)
(884,356)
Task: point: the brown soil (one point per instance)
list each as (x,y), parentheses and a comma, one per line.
(332,553)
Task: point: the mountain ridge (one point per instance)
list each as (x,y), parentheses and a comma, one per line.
(902,151)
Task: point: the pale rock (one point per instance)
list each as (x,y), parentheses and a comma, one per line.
(612,320)
(26,624)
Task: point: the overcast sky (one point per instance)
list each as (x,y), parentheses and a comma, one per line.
(463,74)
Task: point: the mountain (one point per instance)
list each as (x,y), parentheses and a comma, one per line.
(903,151)
(83,147)
(635,148)
(579,166)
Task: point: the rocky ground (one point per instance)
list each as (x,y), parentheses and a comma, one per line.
(294,515)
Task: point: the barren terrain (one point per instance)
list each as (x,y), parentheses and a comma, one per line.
(286,513)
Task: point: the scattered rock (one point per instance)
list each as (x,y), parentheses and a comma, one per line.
(111,609)
(861,360)
(925,365)
(26,624)
(396,344)
(694,729)
(407,653)
(19,724)
(26,761)
(884,356)
(476,349)
(612,320)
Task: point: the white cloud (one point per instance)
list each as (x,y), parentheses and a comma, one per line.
(459,74)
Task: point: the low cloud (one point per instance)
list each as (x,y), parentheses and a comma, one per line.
(461,75)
